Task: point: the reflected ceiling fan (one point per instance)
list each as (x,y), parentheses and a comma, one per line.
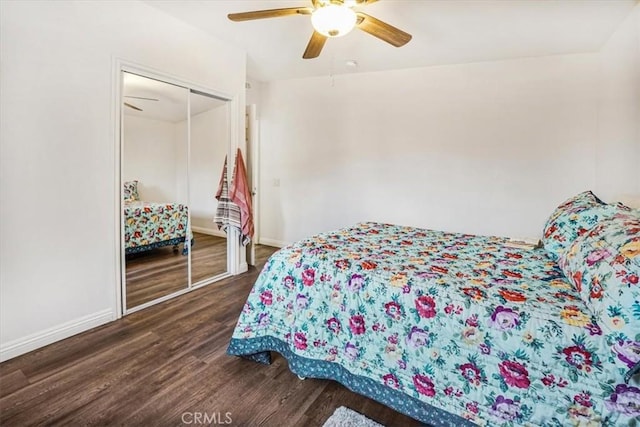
(133,107)
(332,18)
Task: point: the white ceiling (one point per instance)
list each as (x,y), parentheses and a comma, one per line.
(168,102)
(444,32)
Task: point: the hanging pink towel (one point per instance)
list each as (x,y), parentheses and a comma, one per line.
(240,194)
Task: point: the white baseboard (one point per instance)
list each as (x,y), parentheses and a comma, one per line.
(219,233)
(209,231)
(273,242)
(57,333)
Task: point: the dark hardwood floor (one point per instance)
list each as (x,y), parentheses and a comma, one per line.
(208,257)
(165,365)
(162,271)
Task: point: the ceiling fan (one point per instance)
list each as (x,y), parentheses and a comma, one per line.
(133,107)
(332,18)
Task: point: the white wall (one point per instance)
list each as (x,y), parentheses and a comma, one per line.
(487,148)
(58,194)
(618,153)
(253,91)
(150,153)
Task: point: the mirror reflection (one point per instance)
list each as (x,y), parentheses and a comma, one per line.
(209,142)
(155,193)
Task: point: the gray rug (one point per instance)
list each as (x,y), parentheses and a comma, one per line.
(345,417)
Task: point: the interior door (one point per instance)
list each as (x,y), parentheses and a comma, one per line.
(251,135)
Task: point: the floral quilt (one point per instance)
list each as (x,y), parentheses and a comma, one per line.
(447,328)
(149,225)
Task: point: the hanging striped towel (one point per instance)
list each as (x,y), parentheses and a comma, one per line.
(227,213)
(240,195)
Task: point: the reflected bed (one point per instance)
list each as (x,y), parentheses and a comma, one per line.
(151,225)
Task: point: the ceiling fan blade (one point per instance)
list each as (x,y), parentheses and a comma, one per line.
(315,46)
(141,97)
(132,106)
(382,30)
(271,13)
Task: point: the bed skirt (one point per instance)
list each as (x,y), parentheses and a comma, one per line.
(258,350)
(170,242)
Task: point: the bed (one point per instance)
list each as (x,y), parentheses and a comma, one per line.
(457,329)
(149,225)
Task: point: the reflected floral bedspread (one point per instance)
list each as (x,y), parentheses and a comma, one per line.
(149,225)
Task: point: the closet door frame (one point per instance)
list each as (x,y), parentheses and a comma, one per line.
(233,238)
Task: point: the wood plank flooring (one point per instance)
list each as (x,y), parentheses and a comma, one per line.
(162,365)
(208,257)
(162,271)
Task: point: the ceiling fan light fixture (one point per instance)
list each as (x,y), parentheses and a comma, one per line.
(333,20)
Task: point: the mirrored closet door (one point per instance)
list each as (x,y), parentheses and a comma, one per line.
(208,147)
(173,145)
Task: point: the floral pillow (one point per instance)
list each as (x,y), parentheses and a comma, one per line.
(131,191)
(571,219)
(604,266)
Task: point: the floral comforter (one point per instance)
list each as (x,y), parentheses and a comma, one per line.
(149,225)
(447,328)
